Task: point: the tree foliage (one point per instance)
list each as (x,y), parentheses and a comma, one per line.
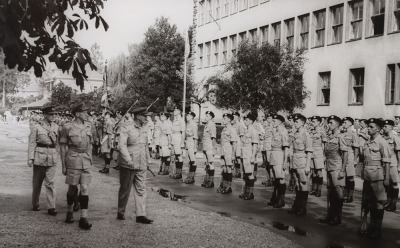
(12,80)
(64,98)
(262,77)
(155,68)
(34,30)
(97,56)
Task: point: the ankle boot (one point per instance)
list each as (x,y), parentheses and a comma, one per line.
(330,210)
(281,196)
(303,204)
(394,197)
(244,191)
(205,180)
(350,196)
(337,219)
(378,217)
(296,204)
(210,183)
(178,174)
(249,195)
(274,197)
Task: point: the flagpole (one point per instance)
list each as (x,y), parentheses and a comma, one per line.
(184,77)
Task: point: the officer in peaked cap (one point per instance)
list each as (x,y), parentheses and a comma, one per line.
(133,161)
(76,156)
(394,143)
(42,155)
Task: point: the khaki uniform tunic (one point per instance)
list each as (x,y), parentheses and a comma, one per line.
(191,136)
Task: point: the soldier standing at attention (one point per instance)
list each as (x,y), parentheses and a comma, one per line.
(209,136)
(279,161)
(266,149)
(228,149)
(319,139)
(239,127)
(375,175)
(134,160)
(261,132)
(42,155)
(107,144)
(178,141)
(302,153)
(250,141)
(156,134)
(336,160)
(150,128)
(191,137)
(76,158)
(352,144)
(165,144)
(397,124)
(394,143)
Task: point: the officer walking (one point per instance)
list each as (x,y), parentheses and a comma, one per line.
(76,157)
(43,156)
(133,160)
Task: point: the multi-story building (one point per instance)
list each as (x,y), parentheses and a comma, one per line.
(353,47)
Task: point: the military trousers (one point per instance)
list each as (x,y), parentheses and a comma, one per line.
(46,174)
(129,178)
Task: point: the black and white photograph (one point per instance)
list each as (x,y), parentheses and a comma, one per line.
(200,123)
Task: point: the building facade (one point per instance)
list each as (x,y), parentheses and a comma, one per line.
(353,48)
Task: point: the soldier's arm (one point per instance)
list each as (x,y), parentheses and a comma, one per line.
(344,151)
(123,147)
(309,151)
(214,135)
(356,145)
(285,146)
(386,160)
(32,145)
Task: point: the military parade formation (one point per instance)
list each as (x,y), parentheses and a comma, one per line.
(295,151)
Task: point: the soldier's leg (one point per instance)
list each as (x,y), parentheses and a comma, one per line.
(319,181)
(302,178)
(297,187)
(377,211)
(167,159)
(393,192)
(338,198)
(107,161)
(178,166)
(229,177)
(314,178)
(139,193)
(330,196)
(71,195)
(274,196)
(250,184)
(125,181)
(37,180)
(246,177)
(222,183)
(350,184)
(211,171)
(50,188)
(84,203)
(365,207)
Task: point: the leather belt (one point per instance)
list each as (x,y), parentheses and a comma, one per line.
(75,149)
(45,145)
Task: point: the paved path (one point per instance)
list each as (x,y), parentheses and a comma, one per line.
(176,223)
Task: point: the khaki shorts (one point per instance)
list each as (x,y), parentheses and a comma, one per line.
(226,151)
(165,151)
(334,180)
(377,189)
(176,141)
(278,171)
(300,174)
(393,175)
(373,173)
(248,167)
(318,159)
(77,176)
(350,169)
(190,146)
(277,157)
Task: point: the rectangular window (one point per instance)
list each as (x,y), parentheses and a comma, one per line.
(208,54)
(264,34)
(304,30)
(202,8)
(393,84)
(242,37)
(253,3)
(209,11)
(244,4)
(337,24)
(200,61)
(319,21)
(324,85)
(217,10)
(253,35)
(394,15)
(216,52)
(235,6)
(224,42)
(356,20)
(226,8)
(290,33)
(276,27)
(377,13)
(233,41)
(356,85)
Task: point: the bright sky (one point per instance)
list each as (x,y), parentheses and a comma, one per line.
(130,19)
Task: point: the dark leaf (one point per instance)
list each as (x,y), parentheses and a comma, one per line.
(97,22)
(105,25)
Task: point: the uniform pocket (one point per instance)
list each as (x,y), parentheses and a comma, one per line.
(40,158)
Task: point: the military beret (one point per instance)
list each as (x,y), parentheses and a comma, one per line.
(251,116)
(376,121)
(299,117)
(335,118)
(290,117)
(210,113)
(139,111)
(230,116)
(48,110)
(178,108)
(164,114)
(237,114)
(389,122)
(316,117)
(279,117)
(348,119)
(268,115)
(192,114)
(79,108)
